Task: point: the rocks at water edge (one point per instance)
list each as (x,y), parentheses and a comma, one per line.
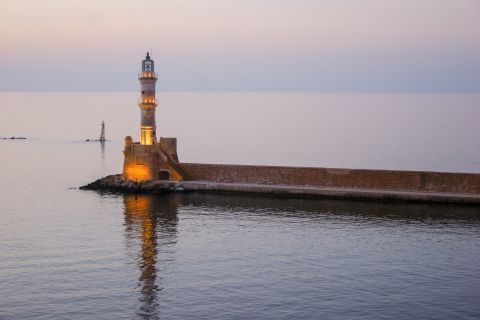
(117,183)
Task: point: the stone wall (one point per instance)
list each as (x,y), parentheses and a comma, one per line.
(169,146)
(336,178)
(147,162)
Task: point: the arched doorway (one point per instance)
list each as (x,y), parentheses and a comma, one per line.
(164,175)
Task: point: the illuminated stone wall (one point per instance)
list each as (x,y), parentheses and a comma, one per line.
(139,163)
(148,162)
(336,178)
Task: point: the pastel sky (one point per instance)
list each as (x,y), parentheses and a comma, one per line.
(242,45)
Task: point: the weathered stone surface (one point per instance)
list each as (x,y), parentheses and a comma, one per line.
(411,181)
(152,162)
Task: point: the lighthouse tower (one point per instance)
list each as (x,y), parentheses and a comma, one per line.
(148,102)
(150,159)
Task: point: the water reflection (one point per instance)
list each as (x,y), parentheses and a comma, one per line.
(102,148)
(152,220)
(344,259)
(320,209)
(102,154)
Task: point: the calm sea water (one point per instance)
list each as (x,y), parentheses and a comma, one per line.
(71,254)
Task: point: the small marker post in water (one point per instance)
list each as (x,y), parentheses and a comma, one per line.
(102,133)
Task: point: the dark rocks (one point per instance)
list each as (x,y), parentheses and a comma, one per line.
(118,184)
(95,140)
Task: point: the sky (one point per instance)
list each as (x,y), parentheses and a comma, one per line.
(242,45)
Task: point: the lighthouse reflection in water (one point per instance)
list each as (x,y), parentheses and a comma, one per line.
(151,223)
(201,254)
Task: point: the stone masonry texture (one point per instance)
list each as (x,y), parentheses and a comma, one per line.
(336,178)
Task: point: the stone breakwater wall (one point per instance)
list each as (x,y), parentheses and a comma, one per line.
(411,181)
(299,182)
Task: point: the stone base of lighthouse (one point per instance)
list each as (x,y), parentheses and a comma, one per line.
(152,162)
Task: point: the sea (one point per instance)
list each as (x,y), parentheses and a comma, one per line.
(72,254)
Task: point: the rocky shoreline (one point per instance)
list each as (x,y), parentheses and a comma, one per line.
(118,184)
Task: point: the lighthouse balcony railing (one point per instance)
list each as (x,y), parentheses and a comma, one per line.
(147,75)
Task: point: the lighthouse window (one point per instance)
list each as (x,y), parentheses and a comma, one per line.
(148,66)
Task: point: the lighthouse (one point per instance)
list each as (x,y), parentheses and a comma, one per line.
(150,159)
(147,102)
